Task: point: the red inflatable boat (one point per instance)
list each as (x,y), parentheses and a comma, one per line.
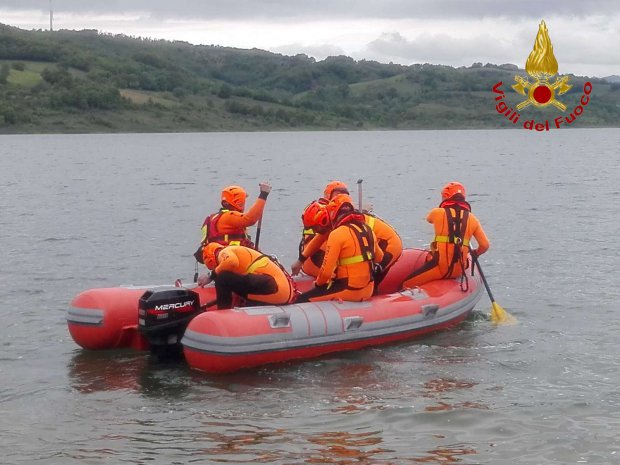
(218,341)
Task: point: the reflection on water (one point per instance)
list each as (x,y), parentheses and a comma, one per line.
(95,371)
(346,448)
(92,371)
(443,385)
(436,388)
(357,390)
(447,454)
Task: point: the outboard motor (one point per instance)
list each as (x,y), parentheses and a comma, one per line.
(163,317)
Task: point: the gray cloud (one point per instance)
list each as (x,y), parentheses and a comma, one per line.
(323,9)
(440,48)
(586,35)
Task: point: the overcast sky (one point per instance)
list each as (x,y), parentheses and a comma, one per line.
(585,34)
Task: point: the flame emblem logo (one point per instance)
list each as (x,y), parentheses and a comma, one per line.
(541,65)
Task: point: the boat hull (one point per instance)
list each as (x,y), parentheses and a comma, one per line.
(234,339)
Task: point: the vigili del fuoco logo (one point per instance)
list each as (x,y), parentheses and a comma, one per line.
(541,66)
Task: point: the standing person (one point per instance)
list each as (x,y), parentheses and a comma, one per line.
(454,226)
(256,277)
(350,253)
(229,224)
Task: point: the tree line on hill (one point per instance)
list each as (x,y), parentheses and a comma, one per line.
(84,81)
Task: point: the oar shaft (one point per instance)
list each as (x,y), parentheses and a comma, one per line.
(359,194)
(484,280)
(258,227)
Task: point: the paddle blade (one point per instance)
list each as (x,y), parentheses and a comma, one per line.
(501,316)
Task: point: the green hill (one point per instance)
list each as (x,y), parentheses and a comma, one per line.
(83,81)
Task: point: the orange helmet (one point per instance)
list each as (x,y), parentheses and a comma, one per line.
(335,187)
(337,203)
(235,196)
(315,214)
(208,254)
(452,188)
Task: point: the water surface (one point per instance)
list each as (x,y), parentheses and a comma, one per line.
(86,211)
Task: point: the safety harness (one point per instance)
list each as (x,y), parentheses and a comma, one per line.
(365,239)
(457,215)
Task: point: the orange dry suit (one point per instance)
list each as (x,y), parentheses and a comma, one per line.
(347,269)
(256,277)
(228,227)
(454,226)
(388,239)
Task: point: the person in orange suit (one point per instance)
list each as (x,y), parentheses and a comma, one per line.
(454,226)
(389,242)
(256,277)
(312,251)
(229,225)
(350,254)
(311,267)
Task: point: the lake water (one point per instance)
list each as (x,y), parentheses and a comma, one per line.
(82,211)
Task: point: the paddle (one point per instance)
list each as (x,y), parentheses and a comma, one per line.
(498,314)
(359,193)
(258,226)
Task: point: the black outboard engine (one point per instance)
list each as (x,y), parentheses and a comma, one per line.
(163,317)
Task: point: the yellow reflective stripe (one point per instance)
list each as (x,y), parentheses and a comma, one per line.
(308,232)
(204,233)
(446,239)
(353,259)
(259,263)
(370,221)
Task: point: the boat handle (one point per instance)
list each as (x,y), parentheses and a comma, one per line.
(429,310)
(281,320)
(352,322)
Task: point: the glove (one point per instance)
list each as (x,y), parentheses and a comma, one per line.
(377,269)
(296,267)
(265,189)
(203,280)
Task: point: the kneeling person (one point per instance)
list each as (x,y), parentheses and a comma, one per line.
(256,277)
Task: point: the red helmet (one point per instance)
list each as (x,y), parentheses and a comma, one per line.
(235,196)
(335,187)
(337,203)
(451,189)
(315,214)
(208,254)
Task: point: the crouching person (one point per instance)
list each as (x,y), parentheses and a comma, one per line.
(256,277)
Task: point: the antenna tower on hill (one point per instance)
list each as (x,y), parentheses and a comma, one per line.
(51,17)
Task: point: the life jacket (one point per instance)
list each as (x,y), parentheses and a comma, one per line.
(306,236)
(457,215)
(211,232)
(308,233)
